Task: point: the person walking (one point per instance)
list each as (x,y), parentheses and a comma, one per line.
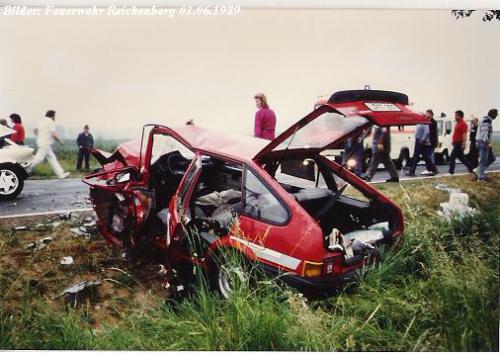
(473,154)
(422,148)
(483,141)
(85,142)
(45,132)
(19,136)
(353,148)
(433,135)
(265,119)
(459,140)
(381,152)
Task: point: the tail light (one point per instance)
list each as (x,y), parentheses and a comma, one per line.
(312,269)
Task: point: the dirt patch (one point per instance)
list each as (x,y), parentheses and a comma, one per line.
(26,271)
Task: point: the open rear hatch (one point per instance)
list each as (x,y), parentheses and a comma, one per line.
(345,114)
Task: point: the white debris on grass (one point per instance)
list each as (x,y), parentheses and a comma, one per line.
(67,260)
(40,244)
(457,208)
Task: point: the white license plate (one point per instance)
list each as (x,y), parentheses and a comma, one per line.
(382,107)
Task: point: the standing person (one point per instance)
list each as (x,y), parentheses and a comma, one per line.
(19,136)
(45,132)
(483,140)
(85,142)
(433,135)
(422,148)
(472,156)
(3,122)
(354,148)
(459,140)
(265,119)
(381,152)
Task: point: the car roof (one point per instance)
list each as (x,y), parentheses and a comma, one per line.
(231,145)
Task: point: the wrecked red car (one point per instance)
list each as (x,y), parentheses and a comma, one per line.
(281,204)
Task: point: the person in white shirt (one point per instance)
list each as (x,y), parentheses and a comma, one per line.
(45,132)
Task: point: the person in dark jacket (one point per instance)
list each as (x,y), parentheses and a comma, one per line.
(85,142)
(381,152)
(433,135)
(473,151)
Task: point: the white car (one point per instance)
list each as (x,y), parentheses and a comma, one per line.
(15,161)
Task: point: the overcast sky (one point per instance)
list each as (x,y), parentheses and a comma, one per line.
(117,73)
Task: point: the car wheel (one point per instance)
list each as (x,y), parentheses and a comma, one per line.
(230,270)
(11,182)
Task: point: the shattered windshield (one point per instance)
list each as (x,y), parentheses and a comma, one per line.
(322,131)
(164,144)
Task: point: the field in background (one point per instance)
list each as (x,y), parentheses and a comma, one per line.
(437,291)
(67,155)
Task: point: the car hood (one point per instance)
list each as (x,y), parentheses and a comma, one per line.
(345,114)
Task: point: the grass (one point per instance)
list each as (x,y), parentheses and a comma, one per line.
(437,291)
(496,146)
(67,155)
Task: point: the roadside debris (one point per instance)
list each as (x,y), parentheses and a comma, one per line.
(76,293)
(457,208)
(445,188)
(67,260)
(458,205)
(87,228)
(81,231)
(40,244)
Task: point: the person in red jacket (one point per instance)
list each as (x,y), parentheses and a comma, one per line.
(459,140)
(19,136)
(265,119)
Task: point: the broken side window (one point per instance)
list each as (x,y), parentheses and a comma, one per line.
(261,203)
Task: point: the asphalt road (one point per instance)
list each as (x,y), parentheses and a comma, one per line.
(59,196)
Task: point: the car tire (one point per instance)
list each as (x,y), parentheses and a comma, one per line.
(227,267)
(11,181)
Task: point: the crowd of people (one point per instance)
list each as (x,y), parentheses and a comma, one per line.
(46,134)
(480,156)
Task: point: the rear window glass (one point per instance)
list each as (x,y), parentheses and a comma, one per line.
(322,131)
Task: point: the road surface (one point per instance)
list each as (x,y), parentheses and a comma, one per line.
(56,196)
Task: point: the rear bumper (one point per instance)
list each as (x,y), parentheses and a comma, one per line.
(315,287)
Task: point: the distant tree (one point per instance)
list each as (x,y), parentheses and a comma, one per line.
(488,15)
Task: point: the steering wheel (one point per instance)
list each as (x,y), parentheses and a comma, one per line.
(176,164)
(169,165)
(330,203)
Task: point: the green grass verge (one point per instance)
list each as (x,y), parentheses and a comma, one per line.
(438,291)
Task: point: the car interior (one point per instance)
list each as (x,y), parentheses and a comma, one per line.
(216,198)
(331,201)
